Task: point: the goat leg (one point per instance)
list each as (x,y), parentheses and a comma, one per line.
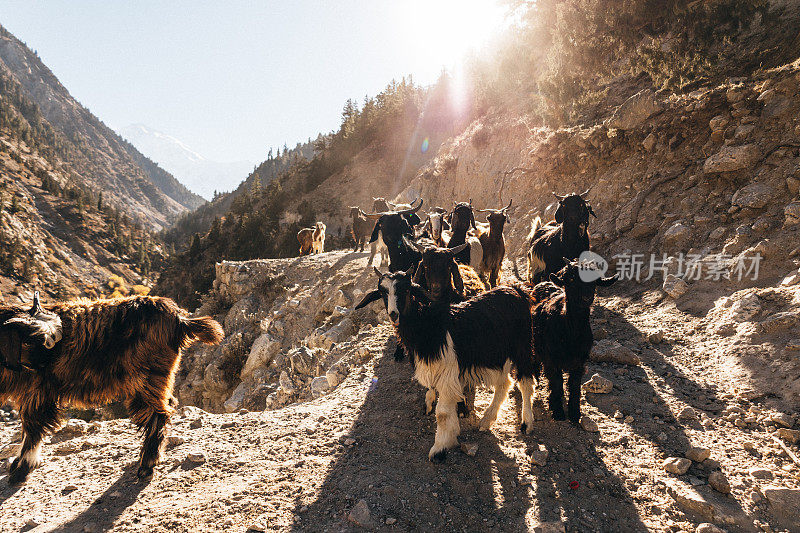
(555,382)
(36,423)
(574,402)
(152,421)
(467,405)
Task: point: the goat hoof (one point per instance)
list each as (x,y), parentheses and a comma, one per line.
(439,456)
(18,474)
(144,473)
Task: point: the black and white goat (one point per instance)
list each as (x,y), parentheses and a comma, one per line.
(568,237)
(447,281)
(394,226)
(475,341)
(562,334)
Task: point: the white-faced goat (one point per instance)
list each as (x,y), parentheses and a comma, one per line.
(435,224)
(451,344)
(493,244)
(548,244)
(562,333)
(447,281)
(88,353)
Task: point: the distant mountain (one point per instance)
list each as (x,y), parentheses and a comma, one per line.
(89,152)
(198,173)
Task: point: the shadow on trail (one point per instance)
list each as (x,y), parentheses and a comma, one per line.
(388,467)
(106,509)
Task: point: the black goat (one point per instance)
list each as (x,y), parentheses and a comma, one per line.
(548,244)
(475,341)
(562,334)
(461,219)
(361,228)
(393,226)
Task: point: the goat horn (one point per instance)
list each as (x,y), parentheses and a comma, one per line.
(415,244)
(412,209)
(509,205)
(36,308)
(583,194)
(375,216)
(566,261)
(378,272)
(486,210)
(560,198)
(458,249)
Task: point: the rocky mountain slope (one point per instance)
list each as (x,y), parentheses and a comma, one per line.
(93,153)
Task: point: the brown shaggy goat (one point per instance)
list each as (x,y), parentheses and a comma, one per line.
(120,349)
(494,245)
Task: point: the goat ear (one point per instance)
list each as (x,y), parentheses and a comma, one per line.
(378,272)
(369,298)
(445,225)
(419,274)
(458,249)
(375,231)
(458,283)
(419,293)
(10,347)
(606,282)
(560,213)
(555,279)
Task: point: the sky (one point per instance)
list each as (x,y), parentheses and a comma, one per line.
(232,78)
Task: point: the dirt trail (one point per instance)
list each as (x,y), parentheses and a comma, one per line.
(305,467)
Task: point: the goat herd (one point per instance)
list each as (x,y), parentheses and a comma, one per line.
(457,325)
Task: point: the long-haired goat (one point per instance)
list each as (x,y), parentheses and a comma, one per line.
(548,244)
(435,224)
(127,348)
(477,340)
(451,282)
(493,244)
(562,333)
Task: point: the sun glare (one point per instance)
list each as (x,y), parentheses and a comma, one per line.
(449,29)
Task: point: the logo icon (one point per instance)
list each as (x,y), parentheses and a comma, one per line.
(591,266)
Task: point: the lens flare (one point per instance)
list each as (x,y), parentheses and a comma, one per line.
(425,143)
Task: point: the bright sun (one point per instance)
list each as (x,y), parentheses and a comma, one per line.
(451,28)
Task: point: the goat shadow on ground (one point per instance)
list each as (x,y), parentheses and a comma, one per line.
(6,490)
(653,418)
(388,467)
(105,510)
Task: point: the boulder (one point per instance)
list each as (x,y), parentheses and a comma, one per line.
(676,236)
(676,465)
(674,286)
(610,351)
(319,386)
(634,111)
(792,214)
(784,501)
(698,454)
(754,196)
(732,158)
(719,123)
(264,349)
(598,385)
(649,142)
(719,482)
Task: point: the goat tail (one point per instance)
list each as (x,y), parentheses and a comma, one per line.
(536,224)
(516,271)
(204,329)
